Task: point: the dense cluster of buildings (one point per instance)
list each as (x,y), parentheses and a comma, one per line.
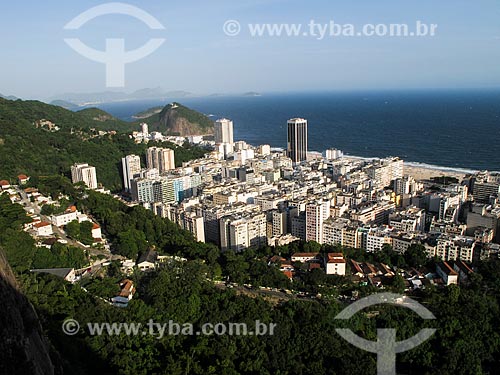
(145,136)
(240,196)
(159,181)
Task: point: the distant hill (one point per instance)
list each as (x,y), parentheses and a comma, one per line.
(96,114)
(252,93)
(176,119)
(148,113)
(64,104)
(10,97)
(116,96)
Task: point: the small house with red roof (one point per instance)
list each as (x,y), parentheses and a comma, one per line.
(4,184)
(23,179)
(127,291)
(447,273)
(335,264)
(96,231)
(43,229)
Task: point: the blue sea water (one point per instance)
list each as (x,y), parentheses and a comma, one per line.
(456,129)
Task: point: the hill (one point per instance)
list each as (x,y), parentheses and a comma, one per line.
(115,96)
(39,139)
(147,113)
(64,104)
(105,120)
(9,97)
(252,93)
(32,111)
(176,119)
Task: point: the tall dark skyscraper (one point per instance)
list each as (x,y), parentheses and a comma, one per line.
(297,140)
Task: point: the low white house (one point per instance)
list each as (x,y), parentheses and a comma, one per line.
(4,184)
(304,257)
(63,219)
(447,273)
(43,229)
(96,231)
(67,274)
(148,260)
(22,179)
(335,264)
(127,266)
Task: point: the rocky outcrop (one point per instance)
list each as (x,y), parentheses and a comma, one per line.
(176,119)
(23,347)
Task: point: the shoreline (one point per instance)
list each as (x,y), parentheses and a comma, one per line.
(418,170)
(423,171)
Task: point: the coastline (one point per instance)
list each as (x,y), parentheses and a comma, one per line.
(425,173)
(422,171)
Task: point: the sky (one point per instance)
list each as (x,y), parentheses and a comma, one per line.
(197,55)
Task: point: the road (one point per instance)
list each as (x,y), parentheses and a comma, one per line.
(271,294)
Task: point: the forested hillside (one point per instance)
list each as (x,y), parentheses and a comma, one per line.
(38,139)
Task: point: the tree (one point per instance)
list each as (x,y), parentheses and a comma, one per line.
(73,229)
(312,247)
(398,284)
(416,256)
(131,243)
(86,232)
(235,267)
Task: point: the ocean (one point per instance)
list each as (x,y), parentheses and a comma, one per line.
(455,129)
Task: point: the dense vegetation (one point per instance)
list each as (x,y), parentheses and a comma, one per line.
(80,231)
(467,340)
(20,248)
(40,152)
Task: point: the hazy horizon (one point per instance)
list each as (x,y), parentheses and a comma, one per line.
(199,57)
(61,96)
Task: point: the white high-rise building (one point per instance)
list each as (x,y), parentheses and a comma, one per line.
(195,225)
(145,130)
(385,171)
(238,232)
(142,190)
(131,166)
(223,131)
(316,214)
(264,150)
(225,149)
(160,158)
(333,153)
(84,173)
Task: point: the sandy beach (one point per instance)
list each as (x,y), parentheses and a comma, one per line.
(425,173)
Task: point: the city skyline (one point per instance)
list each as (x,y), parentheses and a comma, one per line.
(250,187)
